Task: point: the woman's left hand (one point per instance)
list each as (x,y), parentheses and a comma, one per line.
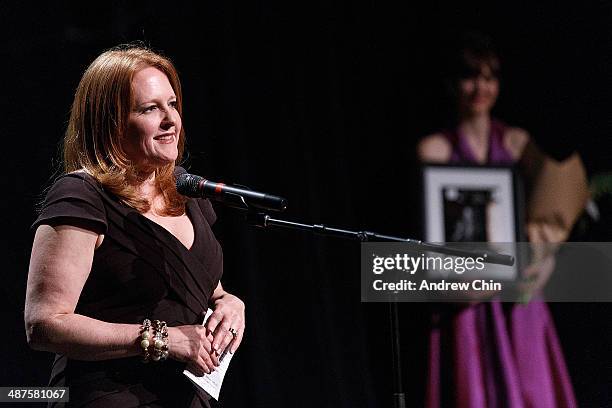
(545,239)
(226,323)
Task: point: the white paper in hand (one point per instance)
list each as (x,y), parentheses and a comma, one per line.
(211,383)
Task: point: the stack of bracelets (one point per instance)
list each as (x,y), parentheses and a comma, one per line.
(155,348)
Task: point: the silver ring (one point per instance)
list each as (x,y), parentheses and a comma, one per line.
(234,332)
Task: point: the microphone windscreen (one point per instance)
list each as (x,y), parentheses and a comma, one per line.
(188,184)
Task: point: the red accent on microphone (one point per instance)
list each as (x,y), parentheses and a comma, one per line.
(219,188)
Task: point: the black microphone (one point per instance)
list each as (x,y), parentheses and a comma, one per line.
(191,185)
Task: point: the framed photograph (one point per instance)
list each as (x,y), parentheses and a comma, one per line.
(475,204)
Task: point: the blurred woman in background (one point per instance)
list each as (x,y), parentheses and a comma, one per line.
(493,354)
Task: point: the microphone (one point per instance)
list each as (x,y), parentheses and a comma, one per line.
(191,185)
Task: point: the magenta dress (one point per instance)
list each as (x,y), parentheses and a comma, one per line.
(495,354)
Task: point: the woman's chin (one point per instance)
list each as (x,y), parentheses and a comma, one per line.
(480,109)
(158,163)
(166,158)
(166,161)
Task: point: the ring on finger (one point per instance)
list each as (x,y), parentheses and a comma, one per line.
(234,332)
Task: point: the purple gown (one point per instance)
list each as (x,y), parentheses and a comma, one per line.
(494,354)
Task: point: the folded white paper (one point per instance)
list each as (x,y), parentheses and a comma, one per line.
(211,383)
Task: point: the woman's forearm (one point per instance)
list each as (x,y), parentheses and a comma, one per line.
(83,338)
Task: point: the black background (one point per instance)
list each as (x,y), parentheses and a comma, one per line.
(322,103)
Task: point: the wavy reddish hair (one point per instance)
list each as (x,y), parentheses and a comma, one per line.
(98,121)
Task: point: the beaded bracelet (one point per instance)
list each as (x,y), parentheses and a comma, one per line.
(144,340)
(160,341)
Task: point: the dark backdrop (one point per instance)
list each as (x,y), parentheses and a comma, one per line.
(321,102)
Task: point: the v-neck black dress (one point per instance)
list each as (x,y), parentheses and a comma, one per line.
(139,271)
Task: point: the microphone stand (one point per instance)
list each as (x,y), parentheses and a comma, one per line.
(263,220)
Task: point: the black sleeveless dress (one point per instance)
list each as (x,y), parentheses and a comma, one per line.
(139,271)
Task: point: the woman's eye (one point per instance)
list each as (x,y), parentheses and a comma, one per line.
(149,108)
(174,104)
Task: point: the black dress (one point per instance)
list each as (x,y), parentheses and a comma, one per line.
(139,271)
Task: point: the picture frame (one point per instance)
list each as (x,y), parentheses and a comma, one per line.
(479,205)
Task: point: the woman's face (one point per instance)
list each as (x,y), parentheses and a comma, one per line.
(154,124)
(477,95)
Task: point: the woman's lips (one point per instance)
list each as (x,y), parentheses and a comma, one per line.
(165,138)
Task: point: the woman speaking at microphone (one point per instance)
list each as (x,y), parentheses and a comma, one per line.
(123,268)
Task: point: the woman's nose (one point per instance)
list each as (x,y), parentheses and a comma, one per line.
(169,118)
(481,82)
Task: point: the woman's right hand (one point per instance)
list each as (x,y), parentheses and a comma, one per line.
(192,344)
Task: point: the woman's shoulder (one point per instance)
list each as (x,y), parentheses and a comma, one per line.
(207,210)
(82,175)
(434,148)
(76,184)
(73,199)
(515,139)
